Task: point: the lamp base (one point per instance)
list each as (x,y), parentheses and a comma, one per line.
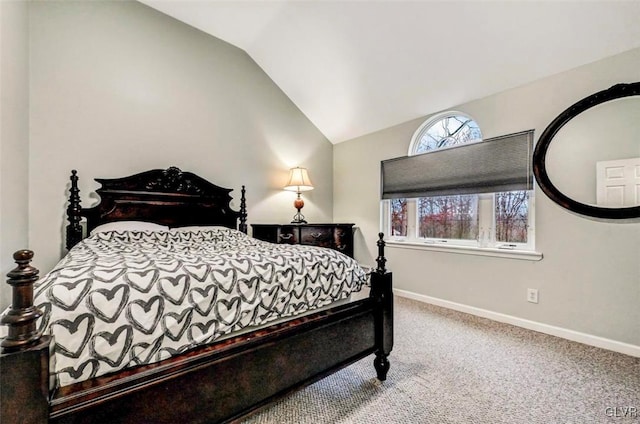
(298,219)
(298,204)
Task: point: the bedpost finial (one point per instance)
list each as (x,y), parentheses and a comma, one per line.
(23,256)
(381,260)
(22,315)
(24,272)
(243,211)
(74,213)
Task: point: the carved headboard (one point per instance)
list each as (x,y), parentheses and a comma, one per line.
(164,196)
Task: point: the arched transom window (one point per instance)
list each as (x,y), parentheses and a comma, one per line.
(445,130)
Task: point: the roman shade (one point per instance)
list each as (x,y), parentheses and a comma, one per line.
(493,165)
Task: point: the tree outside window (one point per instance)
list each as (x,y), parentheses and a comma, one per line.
(451,130)
(399,217)
(512,216)
(448,217)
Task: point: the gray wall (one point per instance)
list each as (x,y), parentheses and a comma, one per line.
(118,88)
(589,278)
(14,135)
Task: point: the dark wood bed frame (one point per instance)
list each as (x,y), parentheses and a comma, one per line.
(220,382)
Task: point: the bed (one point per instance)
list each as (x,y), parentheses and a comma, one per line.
(221,378)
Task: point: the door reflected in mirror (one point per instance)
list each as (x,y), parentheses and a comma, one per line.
(608,134)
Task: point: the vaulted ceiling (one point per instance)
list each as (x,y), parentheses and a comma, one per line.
(354,67)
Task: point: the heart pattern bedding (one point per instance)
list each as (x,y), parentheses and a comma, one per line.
(120,299)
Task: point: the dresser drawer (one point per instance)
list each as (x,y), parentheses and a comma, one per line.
(266,232)
(343,239)
(288,234)
(317,236)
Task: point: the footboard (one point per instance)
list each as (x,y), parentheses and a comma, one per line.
(216,383)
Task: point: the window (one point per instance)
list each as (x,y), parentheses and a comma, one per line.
(399,217)
(448,217)
(450,129)
(512,216)
(456,216)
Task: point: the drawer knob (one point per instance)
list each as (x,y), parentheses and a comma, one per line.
(286,236)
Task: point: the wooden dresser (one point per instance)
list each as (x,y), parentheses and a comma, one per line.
(334,236)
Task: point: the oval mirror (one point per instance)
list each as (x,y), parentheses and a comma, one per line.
(588,159)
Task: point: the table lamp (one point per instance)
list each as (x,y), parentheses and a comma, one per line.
(298,181)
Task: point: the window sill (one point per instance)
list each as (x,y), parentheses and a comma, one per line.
(526,255)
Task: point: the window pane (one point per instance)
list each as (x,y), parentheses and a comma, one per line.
(399,217)
(449,131)
(448,217)
(512,216)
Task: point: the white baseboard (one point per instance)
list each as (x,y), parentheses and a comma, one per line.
(588,339)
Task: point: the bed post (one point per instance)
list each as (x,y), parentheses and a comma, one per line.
(243,212)
(382,291)
(24,355)
(74,213)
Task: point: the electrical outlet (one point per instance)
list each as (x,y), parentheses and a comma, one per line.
(532,295)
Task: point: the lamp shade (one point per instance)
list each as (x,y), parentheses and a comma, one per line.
(299,180)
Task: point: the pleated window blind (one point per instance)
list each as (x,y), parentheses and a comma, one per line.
(493,165)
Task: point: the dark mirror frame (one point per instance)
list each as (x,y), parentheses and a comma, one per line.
(539,155)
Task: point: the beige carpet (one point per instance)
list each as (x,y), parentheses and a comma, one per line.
(450,367)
